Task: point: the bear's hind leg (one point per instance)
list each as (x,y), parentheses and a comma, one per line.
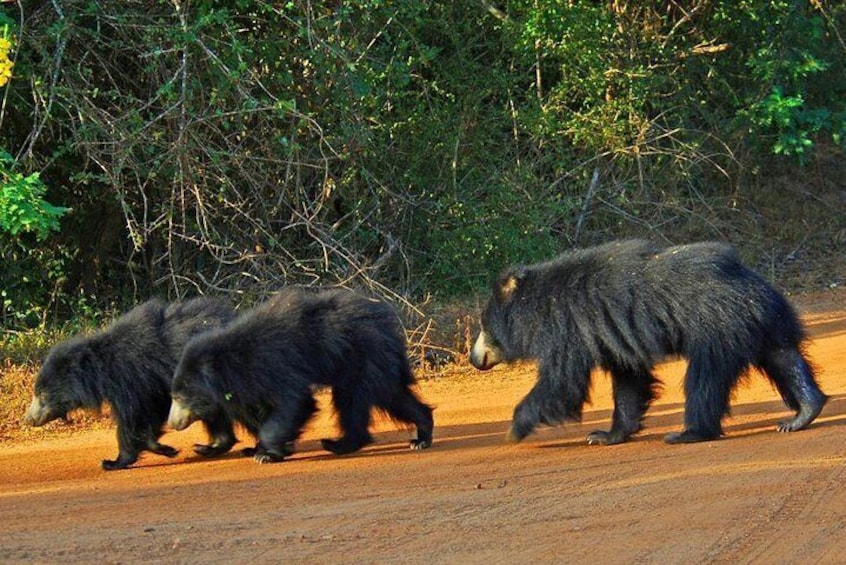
(633,392)
(406,407)
(162,449)
(124,459)
(138,429)
(219,429)
(708,382)
(354,416)
(794,378)
(148,433)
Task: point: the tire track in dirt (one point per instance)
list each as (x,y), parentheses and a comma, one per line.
(801,523)
(786,529)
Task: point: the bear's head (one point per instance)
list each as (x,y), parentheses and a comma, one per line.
(491,346)
(195,390)
(67,380)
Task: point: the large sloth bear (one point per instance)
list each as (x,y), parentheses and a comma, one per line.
(261,369)
(130,365)
(623,307)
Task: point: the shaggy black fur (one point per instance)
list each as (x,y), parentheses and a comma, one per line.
(261,369)
(130,365)
(623,307)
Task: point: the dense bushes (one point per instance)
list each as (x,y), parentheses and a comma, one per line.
(410,146)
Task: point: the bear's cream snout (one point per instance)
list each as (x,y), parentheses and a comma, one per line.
(484,355)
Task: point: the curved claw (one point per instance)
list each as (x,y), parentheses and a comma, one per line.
(419,444)
(597,437)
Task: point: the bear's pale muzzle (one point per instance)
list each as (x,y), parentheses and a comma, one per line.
(484,355)
(179,417)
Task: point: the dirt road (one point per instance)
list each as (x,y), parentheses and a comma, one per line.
(755,496)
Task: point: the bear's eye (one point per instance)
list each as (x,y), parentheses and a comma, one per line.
(45,398)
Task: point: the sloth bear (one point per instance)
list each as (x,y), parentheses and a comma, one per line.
(130,365)
(261,368)
(626,305)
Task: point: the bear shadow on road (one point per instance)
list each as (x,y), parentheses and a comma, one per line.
(667,417)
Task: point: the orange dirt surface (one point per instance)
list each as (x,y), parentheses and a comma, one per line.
(755,496)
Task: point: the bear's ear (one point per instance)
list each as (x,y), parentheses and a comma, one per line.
(509,282)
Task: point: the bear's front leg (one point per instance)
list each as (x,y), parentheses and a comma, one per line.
(219,429)
(260,454)
(276,438)
(558,395)
(526,418)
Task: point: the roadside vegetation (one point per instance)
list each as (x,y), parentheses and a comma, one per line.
(411,148)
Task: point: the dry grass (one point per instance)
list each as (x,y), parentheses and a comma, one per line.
(16,391)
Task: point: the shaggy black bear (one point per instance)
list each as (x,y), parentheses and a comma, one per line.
(623,307)
(261,369)
(130,366)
